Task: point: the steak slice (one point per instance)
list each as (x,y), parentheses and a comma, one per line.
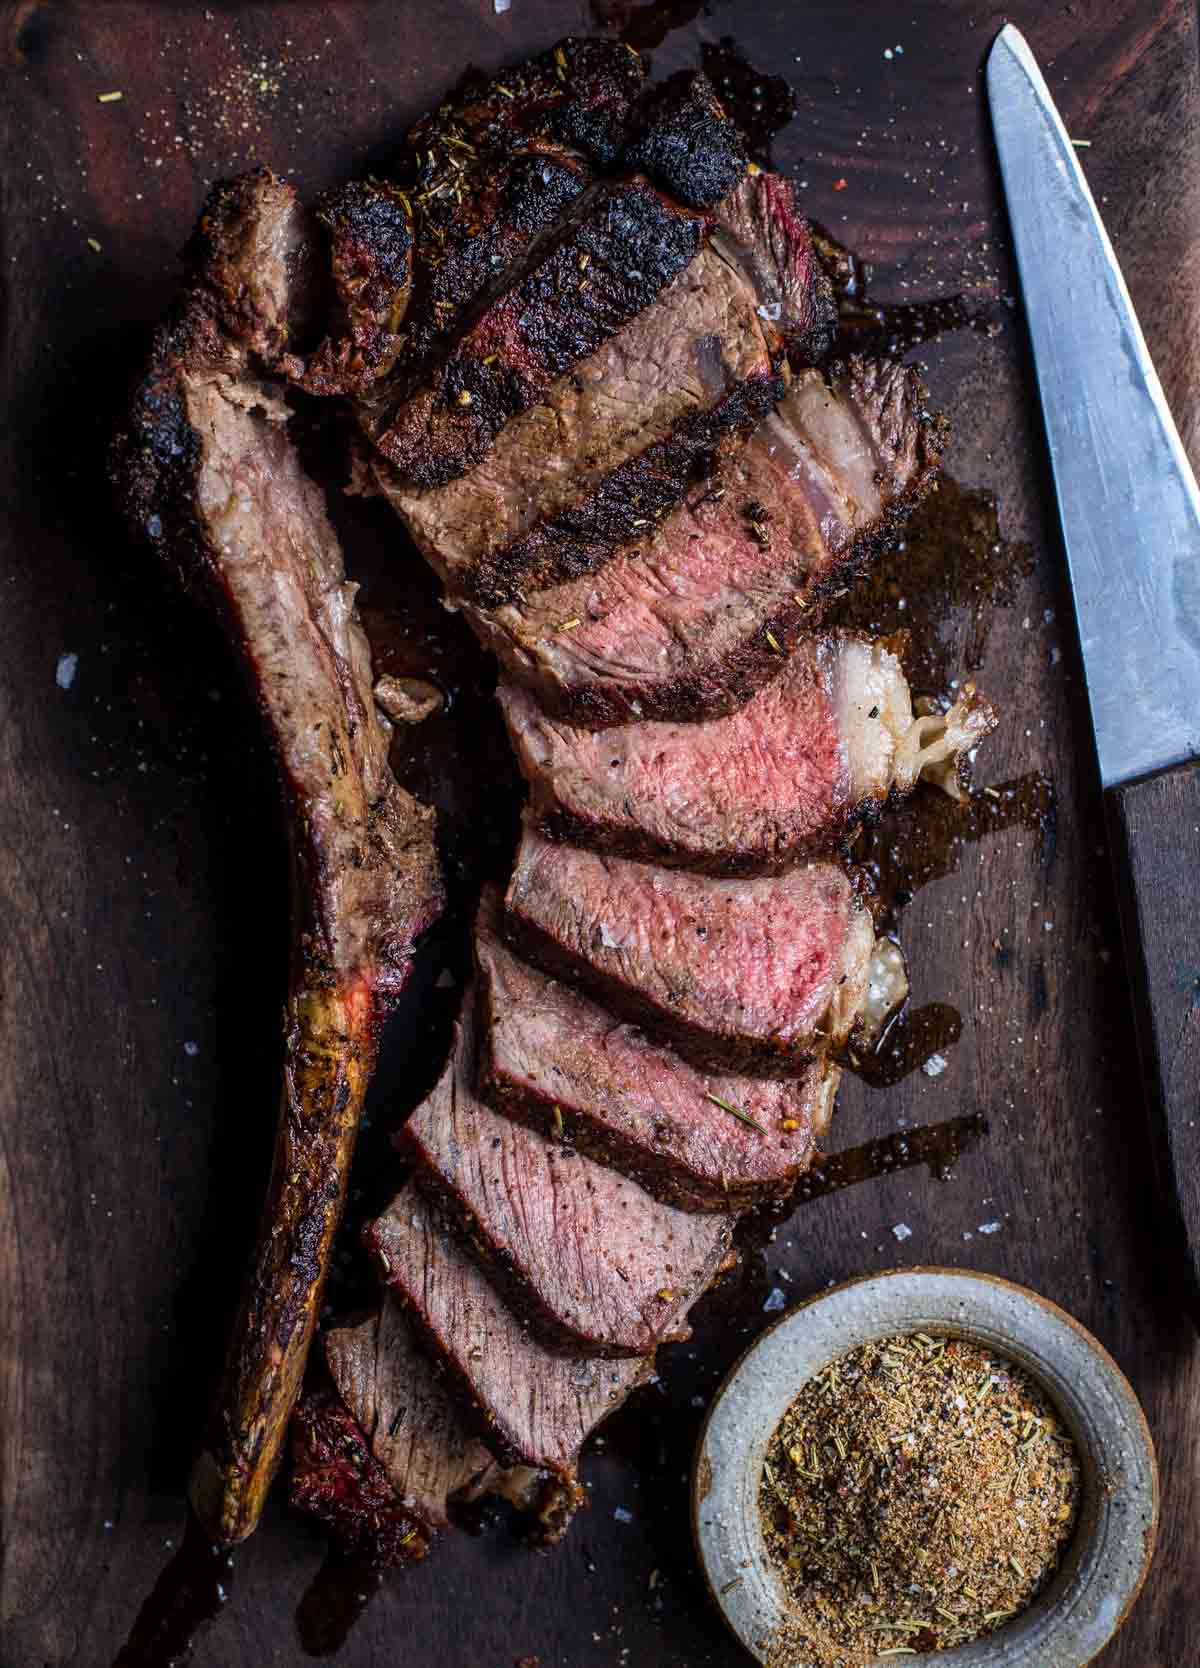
(369,223)
(697,343)
(792,771)
(567,1067)
(594,1264)
(758,226)
(634,496)
(620,249)
(752,975)
(208,475)
(529,1406)
(692,623)
(579,93)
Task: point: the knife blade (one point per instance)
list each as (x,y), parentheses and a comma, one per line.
(1129,508)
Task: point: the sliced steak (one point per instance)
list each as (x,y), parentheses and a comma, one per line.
(432,1461)
(614,256)
(570,1069)
(578,93)
(787,774)
(208,476)
(698,343)
(628,503)
(478,217)
(385,1462)
(691,624)
(686,143)
(759,227)
(369,223)
(754,975)
(594,1264)
(498,164)
(530,1407)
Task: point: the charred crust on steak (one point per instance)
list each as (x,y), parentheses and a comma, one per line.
(370,233)
(686,143)
(579,92)
(581,1254)
(602,268)
(629,502)
(475,226)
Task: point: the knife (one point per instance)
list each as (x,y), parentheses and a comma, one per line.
(1130,513)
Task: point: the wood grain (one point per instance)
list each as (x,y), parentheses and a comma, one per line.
(143,888)
(1156,840)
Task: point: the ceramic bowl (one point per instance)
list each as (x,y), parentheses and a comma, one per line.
(1099,1578)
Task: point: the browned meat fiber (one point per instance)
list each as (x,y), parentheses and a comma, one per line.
(751,975)
(529,1406)
(593,1263)
(789,773)
(572,1070)
(692,622)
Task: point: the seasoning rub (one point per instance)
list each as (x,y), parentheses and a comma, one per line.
(917,1494)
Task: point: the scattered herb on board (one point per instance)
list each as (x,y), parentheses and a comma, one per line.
(916,1495)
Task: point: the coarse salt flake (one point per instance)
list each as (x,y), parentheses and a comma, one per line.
(934,1066)
(901,1230)
(64,672)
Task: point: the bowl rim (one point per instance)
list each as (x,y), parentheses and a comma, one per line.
(1110,1382)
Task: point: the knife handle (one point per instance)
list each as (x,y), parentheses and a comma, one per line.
(1156,840)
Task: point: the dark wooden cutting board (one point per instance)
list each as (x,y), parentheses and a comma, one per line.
(141,892)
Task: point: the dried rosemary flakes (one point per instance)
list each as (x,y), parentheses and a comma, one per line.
(918,1493)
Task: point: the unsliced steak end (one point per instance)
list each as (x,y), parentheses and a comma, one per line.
(529,1406)
(337,1480)
(695,621)
(572,1070)
(753,975)
(612,258)
(686,143)
(593,1263)
(789,773)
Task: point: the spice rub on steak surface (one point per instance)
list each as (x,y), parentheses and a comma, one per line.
(752,975)
(694,347)
(620,247)
(691,622)
(207,474)
(559,1062)
(584,1255)
(528,1405)
(790,772)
